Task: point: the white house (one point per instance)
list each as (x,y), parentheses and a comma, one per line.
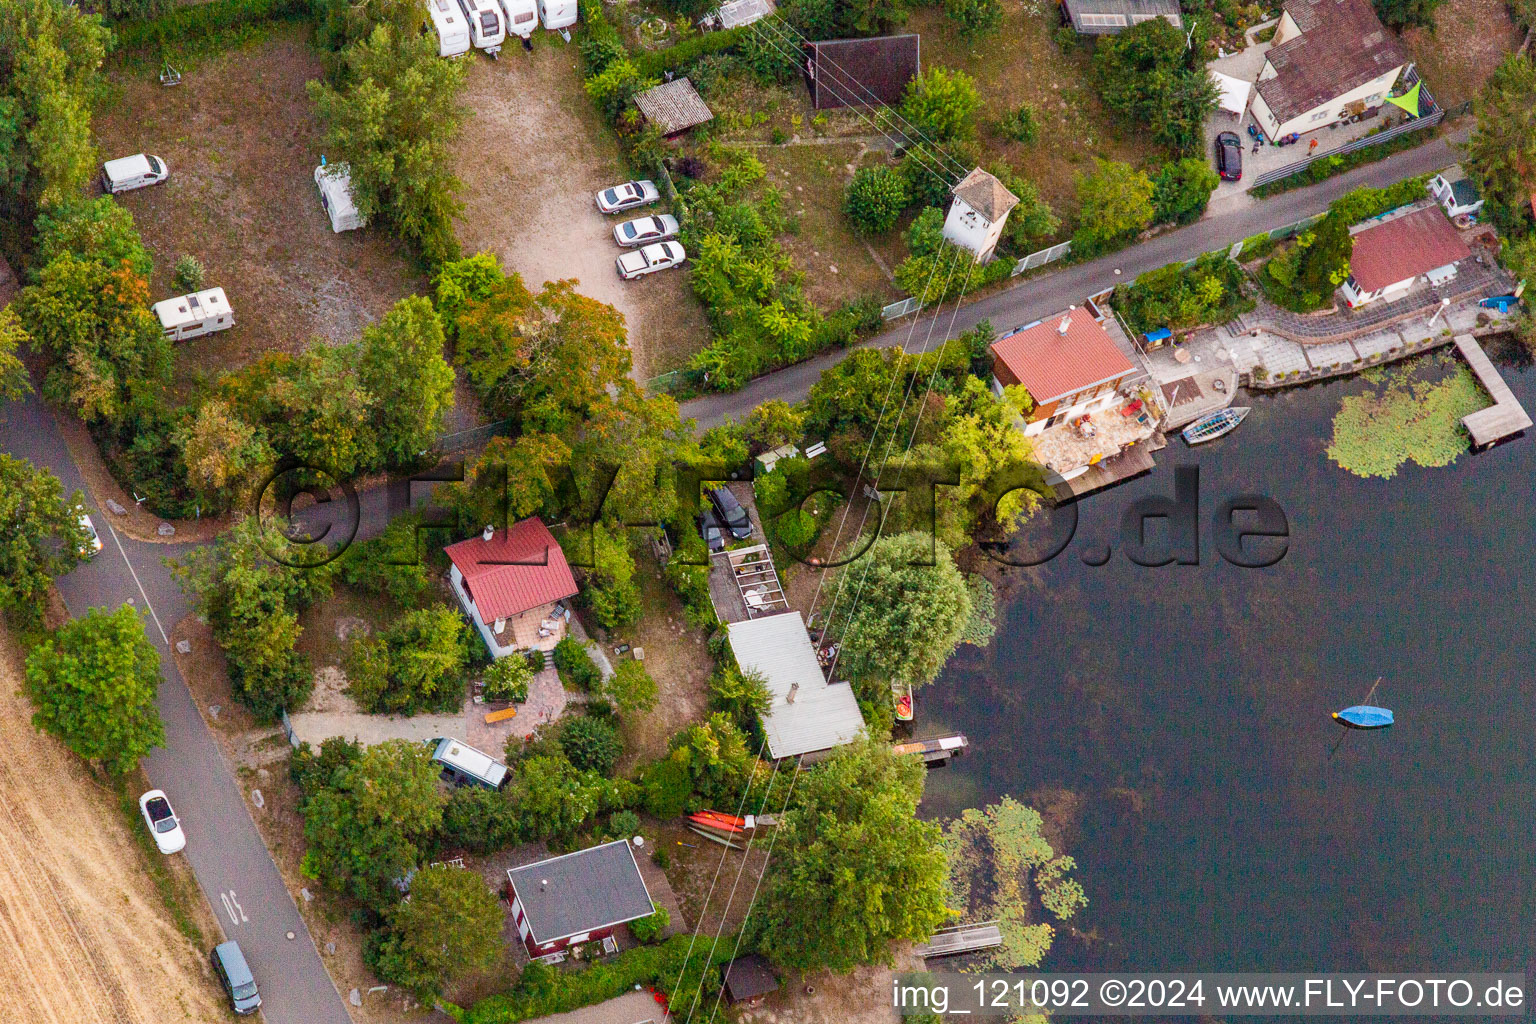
(335,184)
(978,213)
(806,714)
(1391,252)
(512,584)
(1330,60)
(1456,193)
(190,316)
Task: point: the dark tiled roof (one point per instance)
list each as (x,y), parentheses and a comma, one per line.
(1464,191)
(845,72)
(1051,365)
(519,568)
(748,977)
(581,892)
(1403,247)
(1342,46)
(986,195)
(673,106)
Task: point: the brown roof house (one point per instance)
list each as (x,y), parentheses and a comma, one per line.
(673,107)
(1391,252)
(1074,372)
(513,585)
(861,72)
(1329,59)
(978,212)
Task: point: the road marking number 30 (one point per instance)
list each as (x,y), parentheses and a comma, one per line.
(232,908)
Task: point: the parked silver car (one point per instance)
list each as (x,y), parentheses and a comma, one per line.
(627,196)
(639,262)
(645,230)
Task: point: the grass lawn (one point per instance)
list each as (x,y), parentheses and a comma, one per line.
(241,139)
(1470,38)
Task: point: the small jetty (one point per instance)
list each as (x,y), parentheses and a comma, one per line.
(962,938)
(1506,417)
(935,751)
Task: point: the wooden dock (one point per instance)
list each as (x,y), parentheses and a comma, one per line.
(1506,417)
(935,751)
(964,938)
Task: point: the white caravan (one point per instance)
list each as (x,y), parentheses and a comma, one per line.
(557,14)
(522,17)
(335,185)
(193,315)
(487,28)
(452,29)
(133,172)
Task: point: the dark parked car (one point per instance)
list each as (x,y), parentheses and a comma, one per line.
(710,530)
(731,513)
(235,975)
(1229,156)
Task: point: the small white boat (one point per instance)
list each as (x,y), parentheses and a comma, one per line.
(1214,425)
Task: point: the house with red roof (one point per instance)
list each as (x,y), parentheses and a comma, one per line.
(513,584)
(1392,252)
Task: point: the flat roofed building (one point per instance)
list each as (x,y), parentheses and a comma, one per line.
(806,714)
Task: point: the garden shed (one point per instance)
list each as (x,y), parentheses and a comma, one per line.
(861,72)
(673,107)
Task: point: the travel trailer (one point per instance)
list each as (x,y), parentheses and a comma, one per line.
(487,27)
(133,172)
(463,765)
(522,17)
(557,14)
(452,28)
(191,316)
(335,185)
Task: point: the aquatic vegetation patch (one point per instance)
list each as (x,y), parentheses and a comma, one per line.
(1405,419)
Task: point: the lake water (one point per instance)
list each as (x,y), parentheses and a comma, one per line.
(1178,717)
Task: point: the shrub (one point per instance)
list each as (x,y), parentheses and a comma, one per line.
(389,564)
(632,689)
(646,929)
(942,104)
(1021,124)
(624,824)
(576,667)
(188,274)
(975,17)
(591,744)
(1181,190)
(874,199)
(508,679)
(536,661)
(666,786)
(611,89)
(680,57)
(411,665)
(204,20)
(479,820)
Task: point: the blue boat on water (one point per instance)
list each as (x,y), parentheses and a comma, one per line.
(1364,716)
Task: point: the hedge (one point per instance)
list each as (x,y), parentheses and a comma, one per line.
(676,58)
(542,990)
(205,19)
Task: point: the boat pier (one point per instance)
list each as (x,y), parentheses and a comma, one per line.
(962,938)
(935,751)
(1506,417)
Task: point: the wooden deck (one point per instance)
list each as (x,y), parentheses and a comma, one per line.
(1132,462)
(1506,417)
(961,939)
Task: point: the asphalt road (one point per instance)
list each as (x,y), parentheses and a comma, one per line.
(226,852)
(1040,296)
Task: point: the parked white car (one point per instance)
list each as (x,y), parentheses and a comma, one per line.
(92,545)
(131,172)
(645,230)
(638,262)
(627,196)
(162,821)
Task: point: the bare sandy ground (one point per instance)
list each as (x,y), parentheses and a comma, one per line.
(84,937)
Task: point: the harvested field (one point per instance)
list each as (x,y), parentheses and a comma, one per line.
(241,139)
(84,936)
(532,157)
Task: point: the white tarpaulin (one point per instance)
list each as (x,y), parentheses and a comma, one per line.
(1234,92)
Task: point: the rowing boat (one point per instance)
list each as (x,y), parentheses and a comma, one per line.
(1363,716)
(1214,425)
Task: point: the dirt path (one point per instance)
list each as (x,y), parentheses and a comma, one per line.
(84,937)
(531,159)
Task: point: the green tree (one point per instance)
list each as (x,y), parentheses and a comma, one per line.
(50,59)
(393,120)
(631,689)
(391,564)
(590,743)
(856,870)
(1408,13)
(555,799)
(1157,82)
(1501,152)
(480,820)
(43,536)
(313,407)
(937,269)
(1033,220)
(223,453)
(611,590)
(99,229)
(775,422)
(1181,190)
(1115,201)
(416,663)
(1303,278)
(874,199)
(512,479)
(449,927)
(942,104)
(911,615)
(364,830)
(13,373)
(575,665)
(975,17)
(401,365)
(508,679)
(93,685)
(843,19)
